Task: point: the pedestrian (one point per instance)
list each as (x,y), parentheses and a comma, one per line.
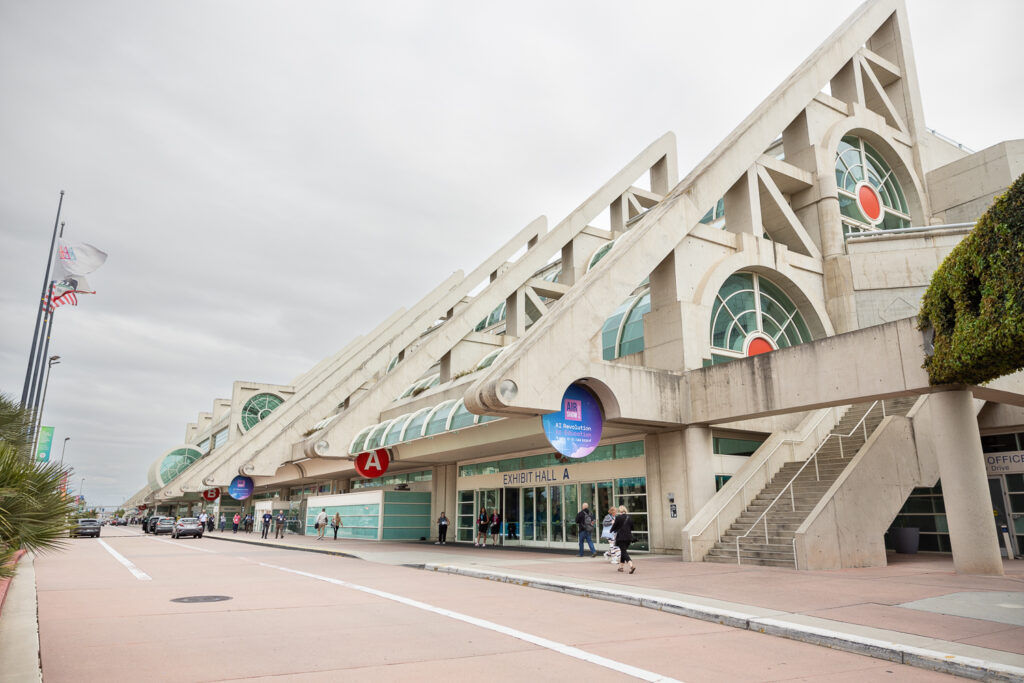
(483,522)
(584,529)
(321,524)
(623,530)
(495,526)
(606,532)
(209,523)
(223,522)
(442,529)
(279,529)
(248,522)
(234,523)
(267,519)
(336,524)
(202,519)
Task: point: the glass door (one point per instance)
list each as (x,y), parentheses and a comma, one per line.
(511,516)
(466,517)
(490,500)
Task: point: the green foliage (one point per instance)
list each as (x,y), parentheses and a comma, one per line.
(15,425)
(33,513)
(975,301)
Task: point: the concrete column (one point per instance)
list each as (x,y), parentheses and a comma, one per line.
(686,470)
(700,469)
(972,530)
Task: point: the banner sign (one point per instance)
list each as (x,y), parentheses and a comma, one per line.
(575,430)
(241,488)
(64,486)
(373,464)
(211,494)
(45,442)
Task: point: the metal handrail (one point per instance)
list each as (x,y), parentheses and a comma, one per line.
(750,475)
(817,476)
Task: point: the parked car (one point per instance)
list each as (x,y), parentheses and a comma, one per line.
(187,526)
(86,527)
(150,523)
(163,525)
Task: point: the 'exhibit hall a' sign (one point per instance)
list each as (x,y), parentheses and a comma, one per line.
(373,464)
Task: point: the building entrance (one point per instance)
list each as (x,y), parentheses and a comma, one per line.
(1001,511)
(545,516)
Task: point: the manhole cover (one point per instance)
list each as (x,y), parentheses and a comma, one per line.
(202,598)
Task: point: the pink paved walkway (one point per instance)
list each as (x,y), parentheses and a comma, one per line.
(957,605)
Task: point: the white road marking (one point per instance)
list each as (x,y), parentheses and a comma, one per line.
(139,574)
(561,648)
(182,545)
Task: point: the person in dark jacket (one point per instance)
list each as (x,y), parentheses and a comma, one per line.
(585,529)
(623,530)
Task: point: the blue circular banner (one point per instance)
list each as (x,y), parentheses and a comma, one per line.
(575,430)
(241,488)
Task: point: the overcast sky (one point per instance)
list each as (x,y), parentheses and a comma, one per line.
(272,179)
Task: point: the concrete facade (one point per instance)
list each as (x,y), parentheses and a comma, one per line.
(811,232)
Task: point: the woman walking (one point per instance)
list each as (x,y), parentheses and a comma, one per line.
(336,524)
(623,530)
(483,522)
(234,523)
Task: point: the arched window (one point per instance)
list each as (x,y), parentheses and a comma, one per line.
(751,316)
(870,196)
(257,408)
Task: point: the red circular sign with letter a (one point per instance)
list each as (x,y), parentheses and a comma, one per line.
(211,494)
(373,464)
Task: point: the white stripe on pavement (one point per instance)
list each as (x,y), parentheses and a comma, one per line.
(182,545)
(139,574)
(562,648)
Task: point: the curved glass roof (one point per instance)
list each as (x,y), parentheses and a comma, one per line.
(421,385)
(171,464)
(601,252)
(257,408)
(447,416)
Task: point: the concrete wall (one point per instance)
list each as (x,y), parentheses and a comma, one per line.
(892,272)
(962,190)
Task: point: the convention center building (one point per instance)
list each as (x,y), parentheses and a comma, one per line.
(736,351)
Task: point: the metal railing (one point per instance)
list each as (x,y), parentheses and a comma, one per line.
(743,487)
(861,424)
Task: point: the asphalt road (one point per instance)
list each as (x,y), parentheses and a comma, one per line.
(107,612)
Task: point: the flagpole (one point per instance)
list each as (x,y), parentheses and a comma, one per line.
(37,379)
(42,300)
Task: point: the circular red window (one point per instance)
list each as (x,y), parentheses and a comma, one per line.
(759,345)
(870,203)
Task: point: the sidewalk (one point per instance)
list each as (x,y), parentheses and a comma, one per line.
(916,611)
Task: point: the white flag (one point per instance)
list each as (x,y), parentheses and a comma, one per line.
(79,259)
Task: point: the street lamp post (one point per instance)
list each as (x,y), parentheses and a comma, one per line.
(66,439)
(81,492)
(53,360)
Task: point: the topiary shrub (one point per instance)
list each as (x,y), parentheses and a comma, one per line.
(975,302)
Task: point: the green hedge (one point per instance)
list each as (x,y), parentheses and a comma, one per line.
(975,301)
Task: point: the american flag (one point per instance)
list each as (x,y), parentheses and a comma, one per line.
(63,299)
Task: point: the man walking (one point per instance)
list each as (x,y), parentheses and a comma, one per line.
(279,530)
(584,529)
(321,524)
(267,519)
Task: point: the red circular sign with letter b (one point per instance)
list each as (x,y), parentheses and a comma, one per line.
(211,494)
(373,464)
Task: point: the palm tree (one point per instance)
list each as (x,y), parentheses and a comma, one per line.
(15,425)
(33,512)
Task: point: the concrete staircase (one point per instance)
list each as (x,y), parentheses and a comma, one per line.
(808,489)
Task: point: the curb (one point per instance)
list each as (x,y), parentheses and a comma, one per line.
(919,657)
(284,546)
(5,584)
